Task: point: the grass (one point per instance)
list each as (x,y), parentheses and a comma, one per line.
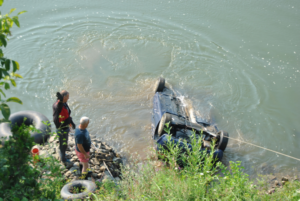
(200,179)
(160,177)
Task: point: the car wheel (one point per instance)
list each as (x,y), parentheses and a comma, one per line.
(164,119)
(159,85)
(223,140)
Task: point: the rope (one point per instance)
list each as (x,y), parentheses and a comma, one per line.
(264,148)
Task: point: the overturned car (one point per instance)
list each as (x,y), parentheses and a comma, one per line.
(168,108)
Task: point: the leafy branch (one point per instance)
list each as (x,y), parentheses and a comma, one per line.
(8,67)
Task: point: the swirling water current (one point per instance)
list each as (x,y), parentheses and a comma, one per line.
(236,61)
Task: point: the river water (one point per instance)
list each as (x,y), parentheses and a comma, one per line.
(236,61)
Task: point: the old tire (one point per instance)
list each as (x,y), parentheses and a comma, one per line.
(164,119)
(89,186)
(223,140)
(32,118)
(159,85)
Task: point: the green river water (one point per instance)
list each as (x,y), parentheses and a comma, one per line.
(236,61)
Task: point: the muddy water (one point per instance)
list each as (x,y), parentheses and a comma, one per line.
(236,62)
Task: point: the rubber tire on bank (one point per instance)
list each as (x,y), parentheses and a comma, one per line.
(89,186)
(164,119)
(32,118)
(159,85)
(223,140)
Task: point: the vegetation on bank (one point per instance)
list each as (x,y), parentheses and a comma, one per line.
(8,67)
(198,177)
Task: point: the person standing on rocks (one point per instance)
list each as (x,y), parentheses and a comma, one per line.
(63,121)
(83,143)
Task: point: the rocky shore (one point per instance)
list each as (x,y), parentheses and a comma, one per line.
(105,163)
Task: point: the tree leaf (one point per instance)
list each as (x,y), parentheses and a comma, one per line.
(13,82)
(1,2)
(6,86)
(1,53)
(17,75)
(14,99)
(2,93)
(5,110)
(16,66)
(16,21)
(7,64)
(2,39)
(5,72)
(24,11)
(11,10)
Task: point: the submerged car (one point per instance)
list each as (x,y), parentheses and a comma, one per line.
(168,108)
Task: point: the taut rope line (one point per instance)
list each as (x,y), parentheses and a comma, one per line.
(264,148)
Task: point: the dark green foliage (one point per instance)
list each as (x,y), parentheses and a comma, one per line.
(18,178)
(8,67)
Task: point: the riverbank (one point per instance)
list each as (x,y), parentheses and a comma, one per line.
(105,163)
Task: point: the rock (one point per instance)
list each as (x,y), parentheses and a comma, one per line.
(67,174)
(104,151)
(51,139)
(117,161)
(117,179)
(271,191)
(107,177)
(97,167)
(102,168)
(76,164)
(95,175)
(64,171)
(283,182)
(68,165)
(96,162)
(74,158)
(284,179)
(276,183)
(74,170)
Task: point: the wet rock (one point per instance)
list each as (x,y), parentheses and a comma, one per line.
(118,161)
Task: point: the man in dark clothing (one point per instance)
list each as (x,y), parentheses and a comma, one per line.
(83,143)
(62,121)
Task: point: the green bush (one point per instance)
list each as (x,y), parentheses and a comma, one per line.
(200,179)
(18,178)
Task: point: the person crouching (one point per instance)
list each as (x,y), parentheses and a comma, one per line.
(83,143)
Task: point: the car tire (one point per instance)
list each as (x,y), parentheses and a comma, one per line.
(164,119)
(89,186)
(159,85)
(223,140)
